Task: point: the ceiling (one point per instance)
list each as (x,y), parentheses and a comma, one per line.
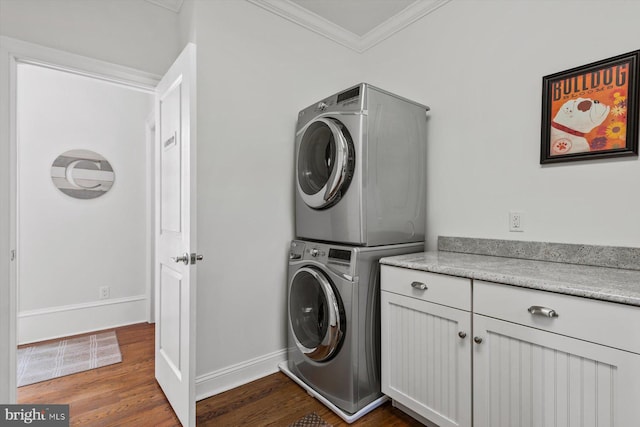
(356,24)
(356,16)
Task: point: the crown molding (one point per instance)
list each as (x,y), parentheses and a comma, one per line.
(316,23)
(400,21)
(172,5)
(309,20)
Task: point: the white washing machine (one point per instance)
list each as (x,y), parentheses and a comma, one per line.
(334,321)
(360,169)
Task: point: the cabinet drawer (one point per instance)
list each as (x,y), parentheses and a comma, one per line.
(440,289)
(592,320)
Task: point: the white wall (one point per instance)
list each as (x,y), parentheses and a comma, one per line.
(479,65)
(187,23)
(255,72)
(68,248)
(133,33)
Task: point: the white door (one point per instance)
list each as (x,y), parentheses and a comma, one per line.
(175,236)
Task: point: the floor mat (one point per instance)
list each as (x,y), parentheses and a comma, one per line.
(43,362)
(310,420)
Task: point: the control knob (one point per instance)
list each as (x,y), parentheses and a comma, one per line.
(315,252)
(322,106)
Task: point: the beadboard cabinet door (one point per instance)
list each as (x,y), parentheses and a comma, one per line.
(426,358)
(528,377)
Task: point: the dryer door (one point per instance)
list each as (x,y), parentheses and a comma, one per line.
(325,162)
(316,314)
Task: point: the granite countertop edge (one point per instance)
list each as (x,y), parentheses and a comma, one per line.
(600,283)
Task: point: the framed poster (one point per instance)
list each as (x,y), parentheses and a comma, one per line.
(591,112)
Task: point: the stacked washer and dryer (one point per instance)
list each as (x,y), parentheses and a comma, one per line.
(360,196)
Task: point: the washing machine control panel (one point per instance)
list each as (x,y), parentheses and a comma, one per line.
(296,250)
(339,259)
(316,253)
(340,255)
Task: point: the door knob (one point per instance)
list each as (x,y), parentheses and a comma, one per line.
(187,258)
(195,258)
(184,258)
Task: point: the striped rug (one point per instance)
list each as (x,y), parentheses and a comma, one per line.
(43,362)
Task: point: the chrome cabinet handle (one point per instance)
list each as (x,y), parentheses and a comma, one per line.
(184,258)
(419,285)
(537,310)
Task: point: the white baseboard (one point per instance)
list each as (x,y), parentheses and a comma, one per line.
(239,374)
(63,321)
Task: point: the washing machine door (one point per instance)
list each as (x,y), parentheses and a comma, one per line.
(325,162)
(316,314)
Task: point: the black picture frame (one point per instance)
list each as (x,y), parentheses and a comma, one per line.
(591,111)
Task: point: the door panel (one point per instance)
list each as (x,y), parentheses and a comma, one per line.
(170,291)
(426,365)
(170,209)
(176,236)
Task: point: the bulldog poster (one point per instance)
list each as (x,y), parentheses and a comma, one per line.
(591,111)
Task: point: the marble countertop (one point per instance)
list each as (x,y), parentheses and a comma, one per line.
(603,283)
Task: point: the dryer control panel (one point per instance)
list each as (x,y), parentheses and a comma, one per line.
(350,101)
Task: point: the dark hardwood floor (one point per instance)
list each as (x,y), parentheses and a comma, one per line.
(126,394)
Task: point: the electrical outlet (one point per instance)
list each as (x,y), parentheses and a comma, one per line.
(104,292)
(516,221)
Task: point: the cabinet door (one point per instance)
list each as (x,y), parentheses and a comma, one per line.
(426,365)
(531,378)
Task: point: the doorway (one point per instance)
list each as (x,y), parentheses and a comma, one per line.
(82,244)
(12,54)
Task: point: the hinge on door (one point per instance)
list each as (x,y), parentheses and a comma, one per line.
(13,254)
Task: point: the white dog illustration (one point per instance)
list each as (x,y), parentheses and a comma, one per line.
(576,118)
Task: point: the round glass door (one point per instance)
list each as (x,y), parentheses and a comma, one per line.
(325,163)
(316,314)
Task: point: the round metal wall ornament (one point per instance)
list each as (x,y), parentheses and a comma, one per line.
(82,174)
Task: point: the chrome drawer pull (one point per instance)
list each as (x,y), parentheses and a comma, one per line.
(419,285)
(536,310)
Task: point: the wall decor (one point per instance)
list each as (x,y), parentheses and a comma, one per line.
(82,174)
(591,112)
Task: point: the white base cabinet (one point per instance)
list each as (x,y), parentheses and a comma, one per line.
(529,373)
(426,348)
(537,359)
(527,377)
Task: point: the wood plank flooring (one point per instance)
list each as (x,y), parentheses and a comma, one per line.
(126,394)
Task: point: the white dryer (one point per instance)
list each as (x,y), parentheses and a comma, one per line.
(360,169)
